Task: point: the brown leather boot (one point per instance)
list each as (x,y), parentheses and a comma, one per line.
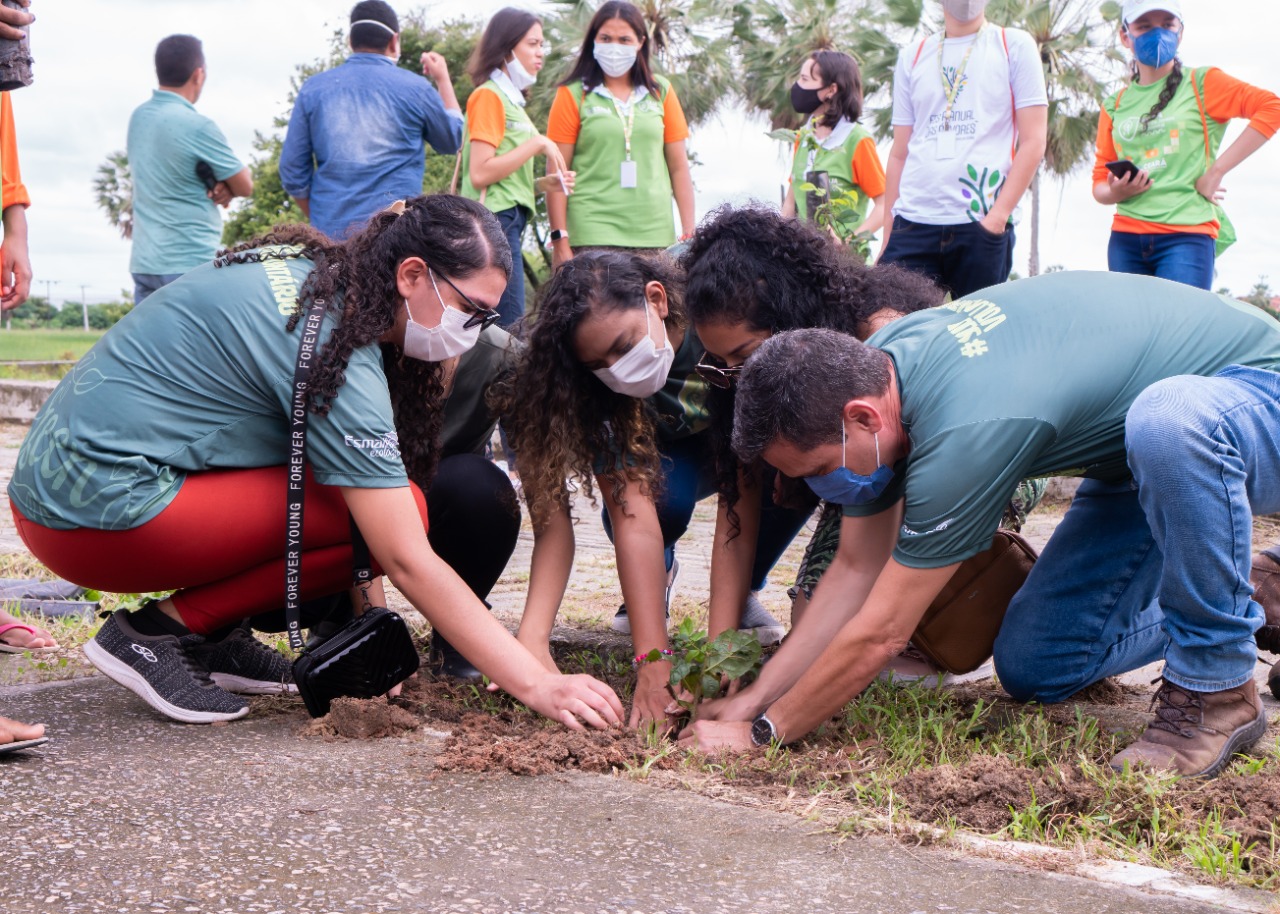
(1265,578)
(1196,733)
(1273,679)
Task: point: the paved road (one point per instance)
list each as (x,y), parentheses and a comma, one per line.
(127,812)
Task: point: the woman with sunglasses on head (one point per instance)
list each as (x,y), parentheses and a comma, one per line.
(832,142)
(501,142)
(622,130)
(751,273)
(1157,156)
(606,393)
(160,462)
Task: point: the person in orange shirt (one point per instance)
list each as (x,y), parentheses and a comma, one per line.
(623,132)
(1157,156)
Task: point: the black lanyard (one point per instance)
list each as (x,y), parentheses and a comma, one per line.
(307,351)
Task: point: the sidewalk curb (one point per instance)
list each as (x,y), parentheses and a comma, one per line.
(21,400)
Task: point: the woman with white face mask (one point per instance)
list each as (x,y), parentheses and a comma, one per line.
(501,142)
(607,393)
(1158,159)
(623,131)
(179,425)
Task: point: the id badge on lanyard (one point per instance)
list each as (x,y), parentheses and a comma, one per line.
(946,144)
(629,176)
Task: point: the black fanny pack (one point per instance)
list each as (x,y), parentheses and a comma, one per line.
(374,651)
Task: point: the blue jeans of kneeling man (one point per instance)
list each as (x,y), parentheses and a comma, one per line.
(1158,566)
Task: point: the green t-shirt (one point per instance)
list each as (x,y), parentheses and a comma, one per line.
(468,421)
(516,189)
(837,161)
(601,211)
(681,404)
(198,377)
(1171,150)
(1034,378)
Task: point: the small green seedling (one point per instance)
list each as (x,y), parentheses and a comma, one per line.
(699,665)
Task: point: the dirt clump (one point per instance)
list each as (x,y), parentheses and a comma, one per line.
(356,718)
(525,745)
(1249,804)
(982,793)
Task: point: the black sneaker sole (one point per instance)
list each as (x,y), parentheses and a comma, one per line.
(119,671)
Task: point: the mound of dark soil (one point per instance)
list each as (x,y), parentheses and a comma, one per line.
(526,745)
(355,718)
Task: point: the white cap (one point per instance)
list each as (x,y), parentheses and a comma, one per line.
(1135,8)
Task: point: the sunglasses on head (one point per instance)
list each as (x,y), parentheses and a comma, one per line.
(717,375)
(479,316)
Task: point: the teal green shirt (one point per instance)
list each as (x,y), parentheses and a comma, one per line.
(175,226)
(1034,378)
(198,377)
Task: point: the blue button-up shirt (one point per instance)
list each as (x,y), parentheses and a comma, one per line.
(355,140)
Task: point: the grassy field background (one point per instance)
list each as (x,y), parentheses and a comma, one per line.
(45,345)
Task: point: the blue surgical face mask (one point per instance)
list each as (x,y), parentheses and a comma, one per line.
(1156,47)
(842,486)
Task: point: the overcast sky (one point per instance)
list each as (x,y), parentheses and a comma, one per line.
(93,66)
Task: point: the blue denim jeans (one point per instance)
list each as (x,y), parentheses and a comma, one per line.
(688,477)
(1158,566)
(146,283)
(1186,257)
(511,305)
(963,258)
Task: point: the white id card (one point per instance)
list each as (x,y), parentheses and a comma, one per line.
(628,173)
(946,148)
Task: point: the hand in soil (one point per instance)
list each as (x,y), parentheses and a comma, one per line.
(713,736)
(575,700)
(652,694)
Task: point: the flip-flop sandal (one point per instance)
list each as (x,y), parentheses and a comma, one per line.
(22,744)
(7,648)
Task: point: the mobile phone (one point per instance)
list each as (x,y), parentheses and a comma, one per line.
(204,171)
(1122,168)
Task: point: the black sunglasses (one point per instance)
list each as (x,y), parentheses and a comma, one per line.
(721,376)
(481,317)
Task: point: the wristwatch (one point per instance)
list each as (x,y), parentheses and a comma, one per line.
(763,732)
(558,235)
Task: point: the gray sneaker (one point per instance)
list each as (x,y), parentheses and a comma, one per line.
(161,673)
(622,625)
(241,663)
(760,622)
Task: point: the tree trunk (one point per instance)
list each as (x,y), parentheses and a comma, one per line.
(1033,262)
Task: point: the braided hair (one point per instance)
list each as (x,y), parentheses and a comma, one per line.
(357,278)
(1171,84)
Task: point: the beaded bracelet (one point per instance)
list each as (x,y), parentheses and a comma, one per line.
(652,657)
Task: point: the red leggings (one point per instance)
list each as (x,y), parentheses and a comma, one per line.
(220,543)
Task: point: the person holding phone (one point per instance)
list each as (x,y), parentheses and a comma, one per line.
(1157,156)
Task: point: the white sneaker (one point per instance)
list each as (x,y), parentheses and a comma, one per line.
(760,622)
(622,625)
(913,666)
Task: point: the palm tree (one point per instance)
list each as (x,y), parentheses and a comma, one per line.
(113,188)
(1078,50)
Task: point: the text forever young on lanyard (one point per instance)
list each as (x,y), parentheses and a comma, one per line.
(629,174)
(946,137)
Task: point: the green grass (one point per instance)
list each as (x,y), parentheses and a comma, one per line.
(45,345)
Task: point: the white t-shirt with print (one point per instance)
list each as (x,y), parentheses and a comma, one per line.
(962,186)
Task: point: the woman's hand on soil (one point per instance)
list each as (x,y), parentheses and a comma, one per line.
(653,694)
(711,736)
(575,700)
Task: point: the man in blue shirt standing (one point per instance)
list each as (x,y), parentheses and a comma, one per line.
(356,136)
(176,225)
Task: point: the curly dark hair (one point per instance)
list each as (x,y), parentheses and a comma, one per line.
(750,265)
(560,418)
(455,236)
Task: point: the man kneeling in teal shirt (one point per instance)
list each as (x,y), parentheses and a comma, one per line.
(1164,397)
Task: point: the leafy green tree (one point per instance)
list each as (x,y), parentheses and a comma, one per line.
(1261,296)
(34,312)
(113,191)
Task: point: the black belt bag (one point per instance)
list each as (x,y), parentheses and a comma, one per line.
(372,653)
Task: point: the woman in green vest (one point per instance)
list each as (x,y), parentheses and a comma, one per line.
(833,144)
(501,142)
(1157,152)
(623,131)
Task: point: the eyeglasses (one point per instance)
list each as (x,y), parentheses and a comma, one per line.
(721,375)
(479,316)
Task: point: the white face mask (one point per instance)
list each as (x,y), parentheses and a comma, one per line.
(643,368)
(446,340)
(519,76)
(965,10)
(616,59)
